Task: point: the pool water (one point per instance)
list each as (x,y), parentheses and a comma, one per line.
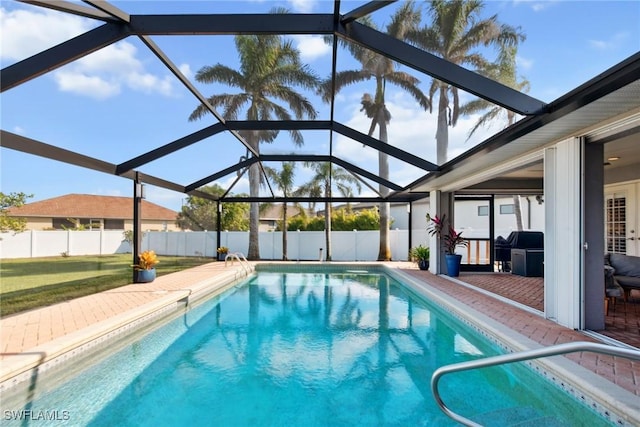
(307,349)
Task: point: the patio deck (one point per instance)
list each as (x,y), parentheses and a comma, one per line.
(31,338)
(621,324)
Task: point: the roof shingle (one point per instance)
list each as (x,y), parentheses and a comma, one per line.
(92,206)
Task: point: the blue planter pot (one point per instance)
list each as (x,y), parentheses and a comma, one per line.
(146,276)
(453,264)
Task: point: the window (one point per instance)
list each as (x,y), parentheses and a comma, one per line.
(483,210)
(616,223)
(63,224)
(114,224)
(91,224)
(507,209)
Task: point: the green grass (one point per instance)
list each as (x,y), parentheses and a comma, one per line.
(36,282)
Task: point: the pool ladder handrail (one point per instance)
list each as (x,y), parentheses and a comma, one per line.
(554,350)
(241,259)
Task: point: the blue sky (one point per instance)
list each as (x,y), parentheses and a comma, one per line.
(121,102)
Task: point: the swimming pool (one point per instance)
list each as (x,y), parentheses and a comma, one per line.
(304,348)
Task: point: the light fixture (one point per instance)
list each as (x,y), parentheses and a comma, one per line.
(613,158)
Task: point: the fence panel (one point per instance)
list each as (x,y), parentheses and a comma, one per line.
(16,245)
(301,245)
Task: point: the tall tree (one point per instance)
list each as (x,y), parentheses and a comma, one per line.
(381,70)
(8,222)
(202,214)
(503,71)
(321,185)
(284,181)
(269,70)
(456,29)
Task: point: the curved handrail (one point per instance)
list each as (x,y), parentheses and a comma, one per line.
(240,257)
(554,350)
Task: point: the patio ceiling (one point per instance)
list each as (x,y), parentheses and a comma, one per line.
(607,96)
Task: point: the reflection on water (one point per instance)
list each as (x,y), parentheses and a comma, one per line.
(304,349)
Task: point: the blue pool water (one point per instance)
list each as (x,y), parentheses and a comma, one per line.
(306,349)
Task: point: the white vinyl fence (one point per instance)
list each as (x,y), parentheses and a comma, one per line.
(301,245)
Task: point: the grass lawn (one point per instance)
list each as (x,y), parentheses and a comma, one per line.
(28,283)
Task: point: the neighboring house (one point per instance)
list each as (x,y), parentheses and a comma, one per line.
(271,216)
(94,213)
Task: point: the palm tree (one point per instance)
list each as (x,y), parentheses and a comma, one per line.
(455,31)
(269,69)
(325,176)
(284,180)
(382,70)
(503,71)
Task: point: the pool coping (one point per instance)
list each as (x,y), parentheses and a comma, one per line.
(608,399)
(19,368)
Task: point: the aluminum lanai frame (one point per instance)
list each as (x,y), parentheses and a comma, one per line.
(119,25)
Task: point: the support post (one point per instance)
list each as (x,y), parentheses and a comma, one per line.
(410,228)
(440,203)
(218,225)
(138,195)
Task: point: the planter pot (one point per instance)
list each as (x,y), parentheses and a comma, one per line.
(453,264)
(423,264)
(146,276)
(221,257)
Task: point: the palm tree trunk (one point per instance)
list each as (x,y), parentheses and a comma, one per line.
(442,132)
(384,253)
(284,232)
(517,209)
(327,226)
(254,207)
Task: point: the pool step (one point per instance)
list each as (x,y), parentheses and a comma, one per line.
(518,417)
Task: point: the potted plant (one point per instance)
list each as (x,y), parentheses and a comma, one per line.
(222,253)
(450,239)
(420,254)
(145,267)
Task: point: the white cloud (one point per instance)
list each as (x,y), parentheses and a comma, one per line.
(613,42)
(102,74)
(25,33)
(99,75)
(302,6)
(81,84)
(185,69)
(524,63)
(311,47)
(19,130)
(412,130)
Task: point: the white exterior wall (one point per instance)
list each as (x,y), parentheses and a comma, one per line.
(473,225)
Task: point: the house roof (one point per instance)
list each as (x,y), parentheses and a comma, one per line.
(92,206)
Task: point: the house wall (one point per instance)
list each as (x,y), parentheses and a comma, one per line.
(38,223)
(153,225)
(467,217)
(147,225)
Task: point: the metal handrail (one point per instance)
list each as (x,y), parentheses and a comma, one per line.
(240,257)
(554,350)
